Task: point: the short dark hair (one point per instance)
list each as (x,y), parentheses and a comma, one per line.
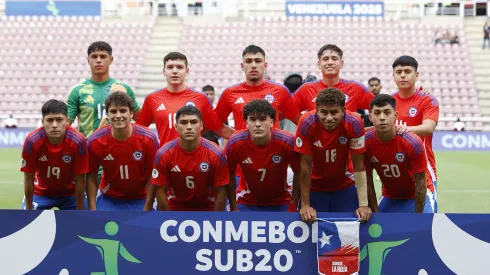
(374,79)
(175,56)
(119,99)
(331,97)
(208,88)
(99,46)
(188,110)
(382,100)
(54,106)
(259,106)
(331,47)
(406,60)
(253,49)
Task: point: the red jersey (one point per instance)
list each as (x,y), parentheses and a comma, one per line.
(331,150)
(127,164)
(191,177)
(161,106)
(263,176)
(413,111)
(357,96)
(396,161)
(234,98)
(55,166)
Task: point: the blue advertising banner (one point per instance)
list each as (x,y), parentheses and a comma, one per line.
(334,8)
(461,141)
(82,242)
(11,138)
(53,8)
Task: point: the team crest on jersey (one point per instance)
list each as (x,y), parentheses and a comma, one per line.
(137,155)
(190,103)
(204,166)
(412,112)
(154,174)
(23,163)
(276,159)
(400,157)
(269,98)
(66,158)
(299,142)
(342,140)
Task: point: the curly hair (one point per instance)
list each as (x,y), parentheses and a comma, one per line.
(259,107)
(331,97)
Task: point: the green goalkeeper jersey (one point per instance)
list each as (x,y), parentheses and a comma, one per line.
(86,101)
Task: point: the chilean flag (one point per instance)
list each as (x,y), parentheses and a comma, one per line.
(338,246)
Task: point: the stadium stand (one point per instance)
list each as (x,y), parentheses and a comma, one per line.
(48,54)
(42,57)
(370,46)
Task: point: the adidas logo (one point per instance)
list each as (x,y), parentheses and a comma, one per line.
(314,100)
(109,157)
(89,99)
(161,107)
(374,159)
(43,158)
(247,160)
(317,143)
(175,169)
(239,101)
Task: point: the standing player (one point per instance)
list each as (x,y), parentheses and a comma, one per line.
(399,160)
(327,138)
(234,98)
(264,154)
(125,151)
(330,63)
(54,162)
(86,100)
(417,112)
(161,107)
(193,169)
(375,85)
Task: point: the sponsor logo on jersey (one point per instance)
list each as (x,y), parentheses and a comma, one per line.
(154,174)
(190,103)
(314,99)
(269,98)
(240,101)
(43,158)
(109,157)
(161,107)
(400,157)
(374,159)
(412,112)
(299,142)
(23,163)
(346,98)
(247,160)
(204,166)
(89,100)
(175,169)
(276,159)
(66,158)
(137,155)
(342,140)
(317,143)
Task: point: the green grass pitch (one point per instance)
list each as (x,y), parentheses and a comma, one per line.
(463,186)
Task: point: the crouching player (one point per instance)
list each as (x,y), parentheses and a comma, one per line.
(330,140)
(190,173)
(264,154)
(54,162)
(125,151)
(399,160)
